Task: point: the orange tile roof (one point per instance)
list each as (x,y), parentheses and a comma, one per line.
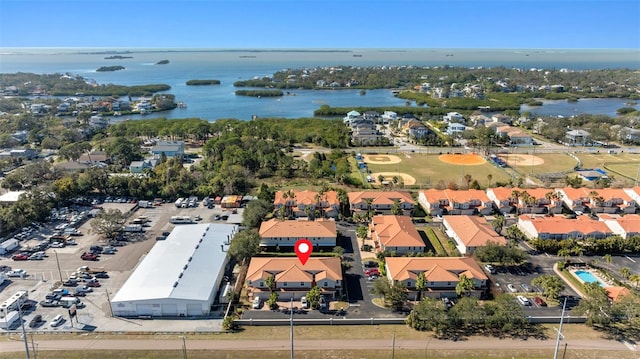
(630,223)
(436,269)
(612,193)
(380,197)
(562,225)
(473,231)
(504,193)
(616,293)
(290,269)
(575,193)
(462,196)
(307,197)
(396,231)
(297,229)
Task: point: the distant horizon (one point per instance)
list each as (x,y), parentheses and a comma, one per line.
(326,24)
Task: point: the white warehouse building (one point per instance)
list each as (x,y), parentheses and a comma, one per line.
(180,276)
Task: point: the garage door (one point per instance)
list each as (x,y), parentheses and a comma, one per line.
(169,310)
(144,309)
(194,309)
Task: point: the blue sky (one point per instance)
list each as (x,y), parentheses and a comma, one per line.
(588,24)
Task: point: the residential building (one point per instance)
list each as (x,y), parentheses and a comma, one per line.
(351,116)
(381,202)
(470,232)
(625,227)
(559,227)
(140,166)
(365,134)
(275,232)
(466,202)
(308,203)
(516,136)
(453,117)
(577,137)
(396,234)
(27,153)
(415,128)
(454,129)
(94,158)
(292,278)
(611,200)
(529,200)
(576,199)
(442,275)
(171,149)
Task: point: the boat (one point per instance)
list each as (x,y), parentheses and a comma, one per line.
(182,105)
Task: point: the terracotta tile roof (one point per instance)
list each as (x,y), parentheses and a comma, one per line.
(473,231)
(290,269)
(307,197)
(562,225)
(380,197)
(616,293)
(504,193)
(396,231)
(437,269)
(575,193)
(463,196)
(297,229)
(630,223)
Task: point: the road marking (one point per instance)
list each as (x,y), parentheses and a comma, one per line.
(631,347)
(630,259)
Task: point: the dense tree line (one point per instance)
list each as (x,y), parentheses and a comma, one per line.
(202,82)
(67,85)
(588,246)
(260,93)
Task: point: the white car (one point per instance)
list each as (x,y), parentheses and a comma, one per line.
(512,288)
(16,273)
(257,303)
(524,300)
(56,321)
(304,303)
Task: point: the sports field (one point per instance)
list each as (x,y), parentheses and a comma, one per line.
(428,170)
(626,164)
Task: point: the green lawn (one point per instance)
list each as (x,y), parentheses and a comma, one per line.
(625,164)
(428,170)
(430,237)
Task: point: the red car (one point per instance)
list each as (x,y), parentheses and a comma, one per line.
(93,283)
(372,271)
(89,257)
(539,301)
(20,257)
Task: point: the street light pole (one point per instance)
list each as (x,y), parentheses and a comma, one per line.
(24,333)
(291,327)
(564,306)
(58,262)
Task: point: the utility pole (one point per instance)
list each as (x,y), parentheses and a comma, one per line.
(58,262)
(564,307)
(291,327)
(24,333)
(184,347)
(393,346)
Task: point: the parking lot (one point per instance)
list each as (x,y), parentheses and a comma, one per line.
(44,276)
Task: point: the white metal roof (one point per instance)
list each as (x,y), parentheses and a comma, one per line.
(184,266)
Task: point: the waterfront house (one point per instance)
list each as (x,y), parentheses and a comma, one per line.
(577,137)
(171,149)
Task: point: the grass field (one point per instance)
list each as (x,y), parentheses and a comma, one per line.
(624,163)
(428,170)
(386,332)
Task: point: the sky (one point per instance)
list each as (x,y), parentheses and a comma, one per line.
(332,24)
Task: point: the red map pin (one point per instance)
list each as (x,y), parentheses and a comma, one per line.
(303,249)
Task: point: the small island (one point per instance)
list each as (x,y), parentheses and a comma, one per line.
(260,93)
(202,82)
(162,62)
(117,57)
(110,68)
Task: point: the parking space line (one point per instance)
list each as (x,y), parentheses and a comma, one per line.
(630,259)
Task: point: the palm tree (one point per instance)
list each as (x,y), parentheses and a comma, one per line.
(395,208)
(526,197)
(421,284)
(635,278)
(468,178)
(498,223)
(489,178)
(465,286)
(515,195)
(564,253)
(625,272)
(608,258)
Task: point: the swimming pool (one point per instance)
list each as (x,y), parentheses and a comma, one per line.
(588,277)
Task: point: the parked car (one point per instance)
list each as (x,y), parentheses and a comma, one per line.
(35,321)
(70,283)
(109,251)
(371,264)
(539,301)
(20,257)
(89,256)
(101,275)
(17,273)
(525,287)
(49,303)
(257,303)
(372,271)
(56,321)
(79,293)
(524,300)
(490,268)
(323,303)
(512,288)
(57,245)
(84,288)
(304,303)
(36,257)
(93,283)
